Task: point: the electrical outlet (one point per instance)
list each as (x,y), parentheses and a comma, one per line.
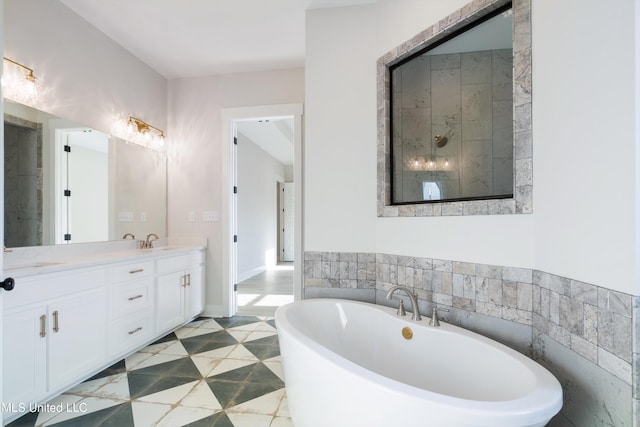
(143,217)
(192,216)
(210,216)
(125,216)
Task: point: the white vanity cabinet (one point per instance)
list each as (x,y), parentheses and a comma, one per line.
(179,289)
(54,328)
(131,308)
(62,326)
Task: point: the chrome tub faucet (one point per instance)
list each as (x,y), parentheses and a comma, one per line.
(412,298)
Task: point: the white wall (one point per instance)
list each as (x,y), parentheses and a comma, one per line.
(258,174)
(87,77)
(584,142)
(340,130)
(195,150)
(583,224)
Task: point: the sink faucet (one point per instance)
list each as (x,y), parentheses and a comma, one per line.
(129,235)
(412,298)
(148,244)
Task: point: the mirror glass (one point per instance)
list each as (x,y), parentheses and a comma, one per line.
(67,183)
(452,117)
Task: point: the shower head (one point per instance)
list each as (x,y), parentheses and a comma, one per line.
(441,141)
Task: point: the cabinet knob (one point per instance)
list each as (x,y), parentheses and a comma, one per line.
(8,284)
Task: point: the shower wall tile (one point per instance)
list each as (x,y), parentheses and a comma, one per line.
(416,83)
(502,74)
(477,111)
(569,322)
(23,182)
(476,67)
(476,172)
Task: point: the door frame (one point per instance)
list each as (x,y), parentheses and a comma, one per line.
(230,116)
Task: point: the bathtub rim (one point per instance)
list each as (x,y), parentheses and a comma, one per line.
(535,406)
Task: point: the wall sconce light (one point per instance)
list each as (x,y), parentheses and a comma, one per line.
(144,134)
(18,87)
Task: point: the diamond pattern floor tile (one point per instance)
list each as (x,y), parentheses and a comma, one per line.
(223,372)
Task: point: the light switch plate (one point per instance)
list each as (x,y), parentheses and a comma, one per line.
(125,216)
(192,216)
(210,216)
(143,217)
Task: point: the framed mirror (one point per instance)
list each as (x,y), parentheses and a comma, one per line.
(455,116)
(68,183)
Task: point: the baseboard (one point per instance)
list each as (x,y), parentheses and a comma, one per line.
(249,274)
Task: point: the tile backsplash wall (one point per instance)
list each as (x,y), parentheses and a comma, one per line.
(565,319)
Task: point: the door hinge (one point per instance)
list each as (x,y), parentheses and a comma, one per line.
(235,238)
(67,237)
(67,148)
(235,140)
(67,193)
(235,190)
(235,288)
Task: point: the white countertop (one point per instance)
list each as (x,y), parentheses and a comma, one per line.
(22,262)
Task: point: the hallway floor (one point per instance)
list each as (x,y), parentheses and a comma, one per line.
(263,293)
(223,372)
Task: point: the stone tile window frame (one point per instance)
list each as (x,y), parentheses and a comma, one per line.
(522,201)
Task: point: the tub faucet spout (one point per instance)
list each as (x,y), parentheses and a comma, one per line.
(412,298)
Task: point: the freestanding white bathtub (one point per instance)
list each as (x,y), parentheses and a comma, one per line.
(347,364)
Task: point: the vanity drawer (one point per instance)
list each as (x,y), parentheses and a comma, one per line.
(46,287)
(131,331)
(133,270)
(129,297)
(178,263)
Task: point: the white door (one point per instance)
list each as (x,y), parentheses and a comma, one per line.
(289,218)
(84,196)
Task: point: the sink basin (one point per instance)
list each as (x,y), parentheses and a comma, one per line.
(35,264)
(160,249)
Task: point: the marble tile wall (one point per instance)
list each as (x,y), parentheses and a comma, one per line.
(23,182)
(565,323)
(473,111)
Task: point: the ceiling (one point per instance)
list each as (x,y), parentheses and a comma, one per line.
(274,136)
(195,38)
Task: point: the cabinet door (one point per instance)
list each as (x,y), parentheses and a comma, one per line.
(170,301)
(78,337)
(24,356)
(194,291)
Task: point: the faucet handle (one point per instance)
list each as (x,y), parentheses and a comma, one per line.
(401,311)
(434,317)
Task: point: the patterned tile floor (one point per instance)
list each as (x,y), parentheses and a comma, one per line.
(212,372)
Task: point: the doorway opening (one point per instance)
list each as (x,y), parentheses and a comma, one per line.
(81,186)
(262,258)
(265,214)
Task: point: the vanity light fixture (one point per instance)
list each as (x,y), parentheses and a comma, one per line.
(144,134)
(20,88)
